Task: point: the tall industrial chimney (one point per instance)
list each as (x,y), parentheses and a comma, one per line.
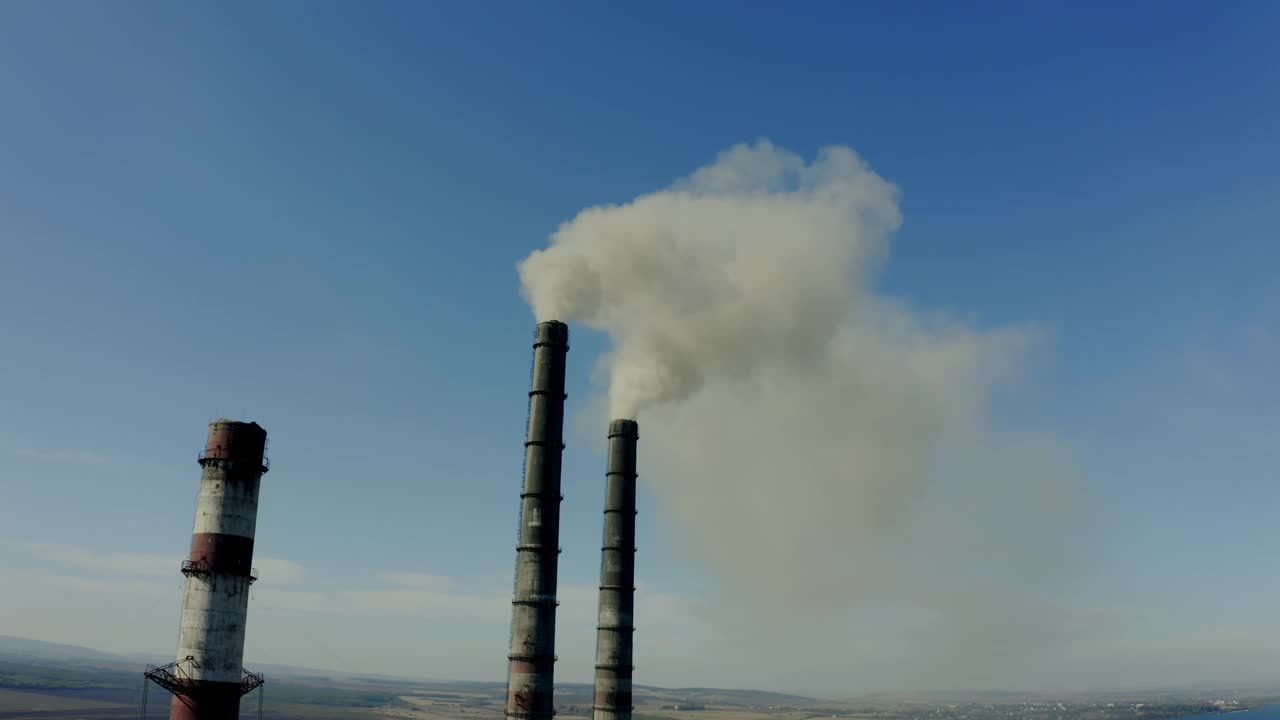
(208,678)
(617,577)
(530,675)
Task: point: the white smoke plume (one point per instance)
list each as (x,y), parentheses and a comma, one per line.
(749,264)
(821,445)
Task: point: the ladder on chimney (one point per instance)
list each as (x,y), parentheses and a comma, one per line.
(524,468)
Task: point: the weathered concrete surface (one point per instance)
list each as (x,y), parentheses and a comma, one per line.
(530,678)
(615,627)
(216,603)
(214,611)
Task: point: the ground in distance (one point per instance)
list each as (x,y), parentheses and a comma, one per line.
(41,681)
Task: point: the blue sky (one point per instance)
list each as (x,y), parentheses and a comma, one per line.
(309,214)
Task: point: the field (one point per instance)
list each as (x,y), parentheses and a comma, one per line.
(66,703)
(103,690)
(58,690)
(46,681)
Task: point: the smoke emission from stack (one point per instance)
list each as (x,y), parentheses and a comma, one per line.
(208,677)
(530,674)
(612,697)
(821,445)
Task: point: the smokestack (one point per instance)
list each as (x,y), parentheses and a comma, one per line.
(530,675)
(208,678)
(617,576)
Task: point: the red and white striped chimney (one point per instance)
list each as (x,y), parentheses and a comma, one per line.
(209,672)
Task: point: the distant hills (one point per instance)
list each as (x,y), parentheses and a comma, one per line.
(27,648)
(20,648)
(80,666)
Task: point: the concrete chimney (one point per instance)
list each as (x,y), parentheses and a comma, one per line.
(617,577)
(530,674)
(208,678)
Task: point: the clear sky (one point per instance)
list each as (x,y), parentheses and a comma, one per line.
(310,214)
